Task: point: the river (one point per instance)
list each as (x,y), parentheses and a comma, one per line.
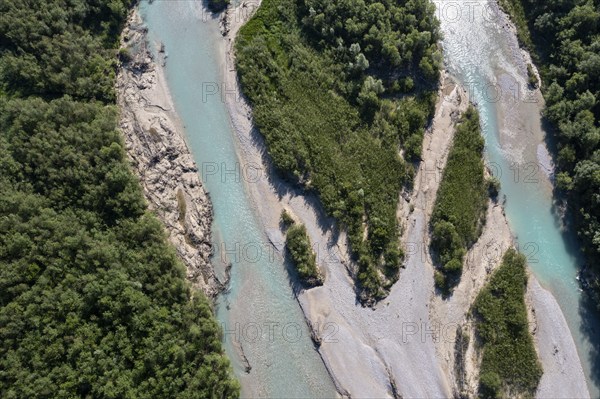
(485,58)
(259,313)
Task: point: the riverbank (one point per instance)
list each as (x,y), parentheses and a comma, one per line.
(361,331)
(512,124)
(563,376)
(365,334)
(160,157)
(368,352)
(562,372)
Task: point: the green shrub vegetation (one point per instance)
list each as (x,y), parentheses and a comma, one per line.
(459,210)
(93,301)
(302,254)
(338,89)
(509,365)
(567,38)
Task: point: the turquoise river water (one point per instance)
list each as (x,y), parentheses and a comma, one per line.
(270,329)
(486,60)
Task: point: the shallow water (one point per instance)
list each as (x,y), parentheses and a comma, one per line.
(259,312)
(480,53)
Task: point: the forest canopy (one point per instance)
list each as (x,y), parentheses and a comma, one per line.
(93,301)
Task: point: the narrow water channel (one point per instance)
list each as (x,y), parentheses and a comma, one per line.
(482,54)
(259,313)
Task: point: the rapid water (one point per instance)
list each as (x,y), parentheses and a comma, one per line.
(259,313)
(481,54)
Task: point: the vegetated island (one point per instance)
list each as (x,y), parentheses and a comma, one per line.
(509,365)
(93,302)
(461,202)
(300,251)
(342,93)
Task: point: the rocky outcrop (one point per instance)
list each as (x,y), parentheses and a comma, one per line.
(160,157)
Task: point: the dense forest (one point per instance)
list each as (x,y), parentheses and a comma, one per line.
(93,302)
(565,38)
(342,92)
(461,201)
(509,364)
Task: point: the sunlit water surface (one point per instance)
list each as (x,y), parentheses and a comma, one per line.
(259,311)
(483,57)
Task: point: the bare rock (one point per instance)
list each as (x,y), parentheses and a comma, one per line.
(160,157)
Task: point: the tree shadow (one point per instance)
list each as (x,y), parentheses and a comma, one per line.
(293,277)
(590,328)
(214,7)
(566,222)
(286,185)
